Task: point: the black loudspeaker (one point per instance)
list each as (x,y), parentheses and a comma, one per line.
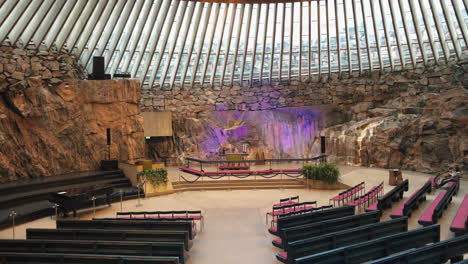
(98,68)
(108,137)
(322,144)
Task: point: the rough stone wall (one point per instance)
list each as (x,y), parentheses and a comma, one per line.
(51,122)
(415,119)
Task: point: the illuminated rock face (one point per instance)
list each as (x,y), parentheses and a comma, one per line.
(413,120)
(50,127)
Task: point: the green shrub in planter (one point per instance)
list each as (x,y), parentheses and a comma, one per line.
(325,172)
(155,177)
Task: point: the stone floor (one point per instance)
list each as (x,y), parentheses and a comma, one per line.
(235,230)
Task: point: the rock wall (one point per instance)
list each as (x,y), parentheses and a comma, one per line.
(51,122)
(415,119)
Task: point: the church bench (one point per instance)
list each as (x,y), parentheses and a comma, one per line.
(285,209)
(110,235)
(412,203)
(376,248)
(288,201)
(309,230)
(41,258)
(181,215)
(351,193)
(437,207)
(451,249)
(231,167)
(163,249)
(390,197)
(366,199)
(460,222)
(310,217)
(342,238)
(127,225)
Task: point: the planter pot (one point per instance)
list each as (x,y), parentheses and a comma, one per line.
(161,189)
(320,185)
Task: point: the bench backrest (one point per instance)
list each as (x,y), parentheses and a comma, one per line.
(387,199)
(40,258)
(296,205)
(376,248)
(328,226)
(109,235)
(444,202)
(345,237)
(126,225)
(410,204)
(436,253)
(169,249)
(312,217)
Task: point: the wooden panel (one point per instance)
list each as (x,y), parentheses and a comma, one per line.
(157,124)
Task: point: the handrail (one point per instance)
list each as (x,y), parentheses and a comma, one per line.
(254,161)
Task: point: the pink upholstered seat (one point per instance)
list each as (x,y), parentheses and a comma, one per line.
(283,256)
(399,210)
(459,222)
(285,203)
(373,207)
(426,218)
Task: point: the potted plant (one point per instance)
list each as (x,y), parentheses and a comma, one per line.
(322,176)
(157,181)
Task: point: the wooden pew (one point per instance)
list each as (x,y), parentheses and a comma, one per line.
(390,197)
(460,222)
(127,225)
(310,217)
(285,209)
(377,248)
(412,203)
(337,224)
(342,238)
(162,249)
(41,258)
(110,235)
(437,207)
(451,249)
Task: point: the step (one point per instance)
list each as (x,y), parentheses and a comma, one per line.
(239,187)
(278,181)
(210,184)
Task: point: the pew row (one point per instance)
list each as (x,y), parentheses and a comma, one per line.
(310,217)
(128,225)
(437,207)
(349,194)
(166,249)
(180,215)
(295,233)
(342,238)
(460,222)
(413,202)
(437,253)
(287,201)
(49,258)
(368,198)
(375,249)
(390,197)
(110,235)
(285,209)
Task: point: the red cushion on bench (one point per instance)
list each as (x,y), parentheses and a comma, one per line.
(285,203)
(399,210)
(459,222)
(274,229)
(283,255)
(427,216)
(373,207)
(190,170)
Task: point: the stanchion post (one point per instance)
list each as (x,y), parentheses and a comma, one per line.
(56,211)
(138,194)
(94,206)
(13,215)
(121,198)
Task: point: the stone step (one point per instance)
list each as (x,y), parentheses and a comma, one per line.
(237,181)
(238,187)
